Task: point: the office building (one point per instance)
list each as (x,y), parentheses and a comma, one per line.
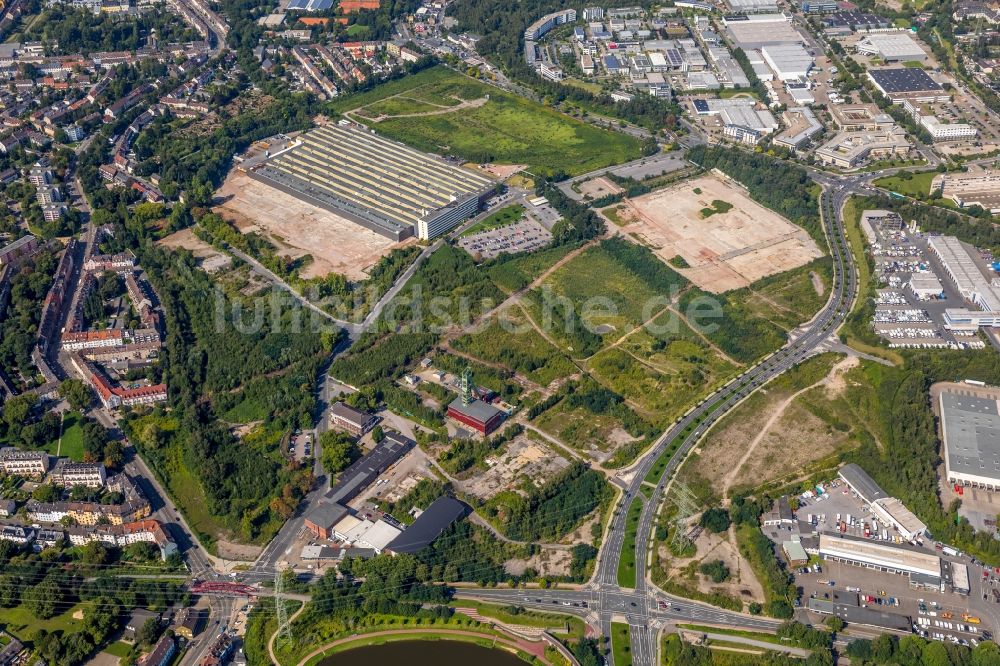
(350,419)
(940,131)
(971,189)
(848,150)
(802,127)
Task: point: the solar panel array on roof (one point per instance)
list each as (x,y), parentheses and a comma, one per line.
(310,5)
(903,80)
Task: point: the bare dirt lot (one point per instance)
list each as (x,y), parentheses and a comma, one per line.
(498,171)
(764,437)
(742,584)
(336,244)
(547,562)
(728,240)
(595,188)
(522,458)
(210,259)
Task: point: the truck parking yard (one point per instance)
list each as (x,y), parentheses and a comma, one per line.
(874,571)
(910,310)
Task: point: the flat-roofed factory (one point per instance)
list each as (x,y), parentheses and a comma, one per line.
(383,185)
(970,432)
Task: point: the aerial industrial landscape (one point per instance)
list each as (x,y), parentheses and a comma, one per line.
(625,334)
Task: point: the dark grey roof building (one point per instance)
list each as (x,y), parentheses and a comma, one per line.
(359,476)
(332,507)
(861,483)
(429,525)
(845,606)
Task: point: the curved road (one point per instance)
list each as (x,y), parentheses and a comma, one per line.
(646,607)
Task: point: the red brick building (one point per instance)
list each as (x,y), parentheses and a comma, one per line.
(478,415)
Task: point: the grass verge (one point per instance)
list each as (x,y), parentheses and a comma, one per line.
(626,563)
(621,644)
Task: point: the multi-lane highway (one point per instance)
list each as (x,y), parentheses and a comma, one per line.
(646,608)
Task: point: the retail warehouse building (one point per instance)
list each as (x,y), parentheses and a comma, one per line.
(970,430)
(887,509)
(924,569)
(383,185)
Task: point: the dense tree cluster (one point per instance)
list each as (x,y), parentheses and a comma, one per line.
(109,286)
(579,222)
(268,358)
(29,285)
(78,30)
(715,570)
(339,451)
(803,635)
(385,357)
(779,586)
(678,653)
(715,520)
(551,511)
(915,651)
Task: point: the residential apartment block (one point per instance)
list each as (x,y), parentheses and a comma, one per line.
(32,464)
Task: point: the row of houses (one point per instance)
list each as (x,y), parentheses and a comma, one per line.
(118,536)
(70,73)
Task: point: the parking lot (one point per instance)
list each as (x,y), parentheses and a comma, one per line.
(523,236)
(931,611)
(903,317)
(939,614)
(301,445)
